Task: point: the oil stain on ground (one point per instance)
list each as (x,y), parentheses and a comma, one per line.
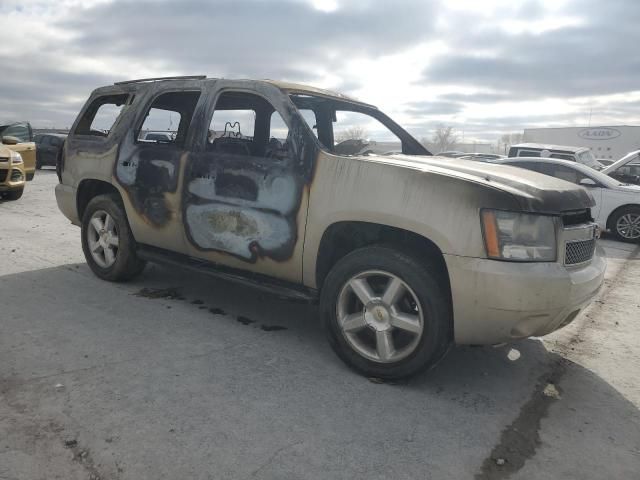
(171,293)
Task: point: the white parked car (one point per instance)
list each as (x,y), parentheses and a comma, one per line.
(627,169)
(617,204)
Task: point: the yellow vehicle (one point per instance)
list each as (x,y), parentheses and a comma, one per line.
(12,174)
(18,136)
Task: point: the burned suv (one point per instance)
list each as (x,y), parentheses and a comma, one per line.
(257,182)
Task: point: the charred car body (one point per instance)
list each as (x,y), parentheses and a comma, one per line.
(407,253)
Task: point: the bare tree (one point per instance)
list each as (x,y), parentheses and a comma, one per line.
(352,133)
(444,138)
(508,139)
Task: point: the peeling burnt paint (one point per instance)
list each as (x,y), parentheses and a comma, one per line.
(247,205)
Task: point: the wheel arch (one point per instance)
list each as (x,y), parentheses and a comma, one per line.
(614,212)
(90,188)
(343,237)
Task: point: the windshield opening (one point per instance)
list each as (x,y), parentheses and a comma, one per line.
(350,129)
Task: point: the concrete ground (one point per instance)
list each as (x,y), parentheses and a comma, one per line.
(180,376)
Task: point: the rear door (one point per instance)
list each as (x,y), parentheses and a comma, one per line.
(149,170)
(245,201)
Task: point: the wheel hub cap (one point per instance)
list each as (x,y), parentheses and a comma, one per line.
(377,316)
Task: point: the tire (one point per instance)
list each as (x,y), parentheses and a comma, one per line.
(625,224)
(14,194)
(124,264)
(30,176)
(38,165)
(424,298)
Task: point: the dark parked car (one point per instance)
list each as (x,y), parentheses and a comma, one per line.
(48,146)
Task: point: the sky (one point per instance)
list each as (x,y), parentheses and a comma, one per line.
(484,67)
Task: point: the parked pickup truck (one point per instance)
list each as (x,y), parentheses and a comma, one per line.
(406,253)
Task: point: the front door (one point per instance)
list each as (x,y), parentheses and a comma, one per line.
(244,193)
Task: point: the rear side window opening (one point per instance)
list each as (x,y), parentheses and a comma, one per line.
(168,118)
(100,117)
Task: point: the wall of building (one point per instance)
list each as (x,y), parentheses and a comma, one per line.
(608,142)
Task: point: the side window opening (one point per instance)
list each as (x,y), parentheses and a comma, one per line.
(561,156)
(100,117)
(21,131)
(277,147)
(168,119)
(245,124)
(528,153)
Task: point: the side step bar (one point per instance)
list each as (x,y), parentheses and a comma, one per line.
(253,280)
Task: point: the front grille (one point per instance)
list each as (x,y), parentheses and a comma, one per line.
(3,175)
(579,251)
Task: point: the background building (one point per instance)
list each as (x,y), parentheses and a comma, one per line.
(609,142)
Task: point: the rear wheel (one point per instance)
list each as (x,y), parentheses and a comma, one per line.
(30,176)
(625,224)
(14,194)
(107,242)
(386,313)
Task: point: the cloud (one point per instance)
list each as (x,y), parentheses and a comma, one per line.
(434,107)
(487,68)
(597,55)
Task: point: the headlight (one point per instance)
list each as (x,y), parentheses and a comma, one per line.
(519,237)
(16,158)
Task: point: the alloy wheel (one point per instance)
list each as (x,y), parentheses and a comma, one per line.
(380,316)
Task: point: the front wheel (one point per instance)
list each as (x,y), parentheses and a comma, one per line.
(625,224)
(386,312)
(107,241)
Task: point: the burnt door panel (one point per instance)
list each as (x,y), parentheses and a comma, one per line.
(245,206)
(244,202)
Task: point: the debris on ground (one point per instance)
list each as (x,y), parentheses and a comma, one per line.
(551,391)
(59,387)
(164,293)
(500,461)
(244,320)
(513,355)
(217,311)
(71,443)
(272,328)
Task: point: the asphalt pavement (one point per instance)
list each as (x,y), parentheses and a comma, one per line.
(178,375)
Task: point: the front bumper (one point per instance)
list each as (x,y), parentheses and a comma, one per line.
(66,199)
(12,177)
(496,302)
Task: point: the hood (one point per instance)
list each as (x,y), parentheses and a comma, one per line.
(633,189)
(635,155)
(534,191)
(4,151)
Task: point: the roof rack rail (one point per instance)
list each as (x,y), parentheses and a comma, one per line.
(155,79)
